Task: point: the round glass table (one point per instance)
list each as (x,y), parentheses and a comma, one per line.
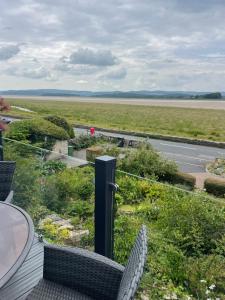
(16,236)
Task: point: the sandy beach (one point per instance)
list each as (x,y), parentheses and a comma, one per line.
(205,104)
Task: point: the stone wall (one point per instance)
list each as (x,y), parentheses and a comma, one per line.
(59,150)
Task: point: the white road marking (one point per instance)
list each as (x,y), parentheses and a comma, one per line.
(186,163)
(221,153)
(176,146)
(182,155)
(207,156)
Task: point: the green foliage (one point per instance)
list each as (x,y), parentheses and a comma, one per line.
(126,229)
(186,232)
(181,178)
(52,166)
(176,121)
(205,272)
(193,224)
(112,151)
(83,141)
(172,261)
(27,180)
(146,162)
(52,232)
(37,212)
(35,130)
(215,187)
(63,188)
(134,191)
(130,191)
(61,122)
(81,208)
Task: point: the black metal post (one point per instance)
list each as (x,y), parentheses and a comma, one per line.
(1,146)
(105,167)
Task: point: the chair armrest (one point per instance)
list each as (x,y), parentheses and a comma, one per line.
(9,198)
(82,270)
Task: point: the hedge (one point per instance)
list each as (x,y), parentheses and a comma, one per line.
(38,127)
(61,122)
(181,178)
(215,186)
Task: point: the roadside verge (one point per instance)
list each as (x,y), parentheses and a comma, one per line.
(159,136)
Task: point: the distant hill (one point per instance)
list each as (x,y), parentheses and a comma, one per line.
(209,96)
(112,94)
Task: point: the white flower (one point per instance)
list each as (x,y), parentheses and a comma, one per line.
(202,280)
(212,286)
(207,292)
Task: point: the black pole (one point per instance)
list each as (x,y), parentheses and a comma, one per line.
(105,167)
(1,146)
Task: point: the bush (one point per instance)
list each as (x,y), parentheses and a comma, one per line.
(181,178)
(61,122)
(52,166)
(81,208)
(93,152)
(35,130)
(146,162)
(27,180)
(126,229)
(193,224)
(62,189)
(204,272)
(83,141)
(215,187)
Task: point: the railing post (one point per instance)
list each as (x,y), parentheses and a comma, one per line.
(1,146)
(105,167)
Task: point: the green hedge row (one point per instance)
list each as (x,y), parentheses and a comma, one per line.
(61,122)
(180,178)
(33,129)
(215,186)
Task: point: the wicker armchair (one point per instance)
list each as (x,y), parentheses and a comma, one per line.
(7,169)
(71,273)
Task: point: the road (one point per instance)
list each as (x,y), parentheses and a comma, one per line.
(189,158)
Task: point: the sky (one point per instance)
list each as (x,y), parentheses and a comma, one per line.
(113,44)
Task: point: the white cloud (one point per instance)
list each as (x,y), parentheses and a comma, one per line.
(126,44)
(82,81)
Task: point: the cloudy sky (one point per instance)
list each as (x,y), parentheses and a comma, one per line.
(112,44)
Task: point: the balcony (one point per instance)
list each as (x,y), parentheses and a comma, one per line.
(31,268)
(186,227)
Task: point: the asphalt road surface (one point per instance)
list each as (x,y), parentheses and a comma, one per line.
(189,158)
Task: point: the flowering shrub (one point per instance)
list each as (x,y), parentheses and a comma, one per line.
(4,106)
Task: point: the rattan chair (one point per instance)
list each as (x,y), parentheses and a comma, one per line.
(7,169)
(72,273)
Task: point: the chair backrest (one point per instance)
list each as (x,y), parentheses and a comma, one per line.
(7,169)
(134,268)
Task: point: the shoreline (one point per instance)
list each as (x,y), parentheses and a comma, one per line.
(180,103)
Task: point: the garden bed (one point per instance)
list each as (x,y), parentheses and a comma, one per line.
(217,167)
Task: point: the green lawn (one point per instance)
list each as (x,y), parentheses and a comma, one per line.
(185,122)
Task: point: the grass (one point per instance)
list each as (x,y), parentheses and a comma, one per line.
(195,123)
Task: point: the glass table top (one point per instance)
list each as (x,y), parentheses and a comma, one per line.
(14,235)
